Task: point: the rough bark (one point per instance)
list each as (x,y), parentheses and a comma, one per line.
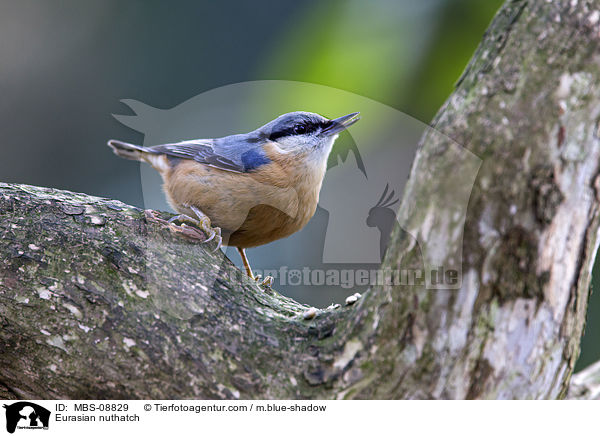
(585,385)
(96,301)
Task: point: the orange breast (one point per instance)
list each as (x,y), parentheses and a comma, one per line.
(253,208)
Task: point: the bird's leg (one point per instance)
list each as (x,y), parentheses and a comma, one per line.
(242,252)
(267,281)
(202,222)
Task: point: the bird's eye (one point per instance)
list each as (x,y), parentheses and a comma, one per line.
(300,129)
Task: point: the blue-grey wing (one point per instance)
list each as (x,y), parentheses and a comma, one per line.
(232,153)
(202,151)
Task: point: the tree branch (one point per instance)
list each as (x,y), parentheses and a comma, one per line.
(585,385)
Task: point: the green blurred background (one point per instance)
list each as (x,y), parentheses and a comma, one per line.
(64,66)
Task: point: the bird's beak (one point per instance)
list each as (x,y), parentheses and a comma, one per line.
(341,123)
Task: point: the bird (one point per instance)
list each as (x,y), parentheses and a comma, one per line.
(245,190)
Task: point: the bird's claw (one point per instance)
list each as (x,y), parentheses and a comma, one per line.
(206,234)
(188,231)
(152,215)
(217,237)
(267,282)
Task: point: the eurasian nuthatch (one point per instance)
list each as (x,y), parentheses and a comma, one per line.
(255,187)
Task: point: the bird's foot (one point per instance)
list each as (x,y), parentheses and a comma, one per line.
(202,223)
(207,233)
(267,282)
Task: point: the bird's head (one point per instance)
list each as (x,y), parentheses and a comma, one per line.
(305,133)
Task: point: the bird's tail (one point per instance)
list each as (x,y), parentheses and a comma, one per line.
(136,152)
(128,151)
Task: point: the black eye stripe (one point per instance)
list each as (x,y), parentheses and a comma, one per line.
(279,134)
(301,128)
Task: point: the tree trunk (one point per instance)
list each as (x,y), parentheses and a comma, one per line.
(98,301)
